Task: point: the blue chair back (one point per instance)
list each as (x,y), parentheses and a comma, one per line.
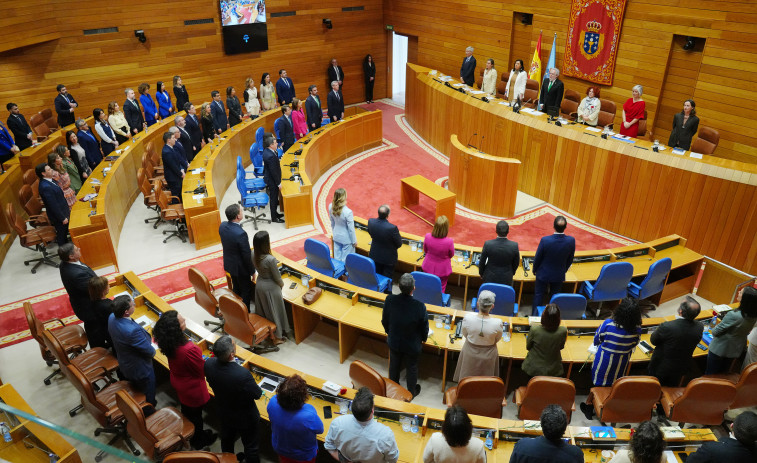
(572,306)
(259,137)
(361,271)
(240,177)
(613,282)
(276,129)
(256,155)
(428,288)
(655,280)
(504,298)
(319,256)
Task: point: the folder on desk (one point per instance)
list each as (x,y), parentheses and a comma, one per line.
(602,433)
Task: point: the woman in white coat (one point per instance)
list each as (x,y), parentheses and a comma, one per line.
(516,83)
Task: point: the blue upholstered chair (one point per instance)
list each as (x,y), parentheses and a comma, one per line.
(504,299)
(361,271)
(654,282)
(259,138)
(250,199)
(277,130)
(612,284)
(320,260)
(250,184)
(572,306)
(428,289)
(256,157)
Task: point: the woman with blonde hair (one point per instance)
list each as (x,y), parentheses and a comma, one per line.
(342,225)
(489,82)
(251,102)
(118,123)
(439,251)
(208,132)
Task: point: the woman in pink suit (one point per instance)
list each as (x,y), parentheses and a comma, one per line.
(439,251)
(298,119)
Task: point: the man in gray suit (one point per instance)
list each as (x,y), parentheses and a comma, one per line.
(499,257)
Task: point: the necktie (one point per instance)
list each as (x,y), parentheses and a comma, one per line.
(135,103)
(550,86)
(286,81)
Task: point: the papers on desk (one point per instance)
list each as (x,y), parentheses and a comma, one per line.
(198,197)
(531,111)
(721,308)
(445,78)
(122,293)
(679,151)
(506,103)
(199,170)
(268,385)
(593,129)
(624,138)
(89,197)
(144,321)
(432,72)
(430,332)
(106,169)
(672,433)
(458,84)
(670,457)
(696,155)
(95,181)
(476,92)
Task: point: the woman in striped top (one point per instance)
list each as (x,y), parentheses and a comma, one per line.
(616,339)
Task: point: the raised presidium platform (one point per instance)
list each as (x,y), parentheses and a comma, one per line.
(30,441)
(623,187)
(358,311)
(444,200)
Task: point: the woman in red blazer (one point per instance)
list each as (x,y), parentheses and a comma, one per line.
(187,370)
(439,251)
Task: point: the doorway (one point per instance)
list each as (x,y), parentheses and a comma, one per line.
(399,62)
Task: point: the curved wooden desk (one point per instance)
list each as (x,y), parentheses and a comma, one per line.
(482,182)
(622,187)
(327,147)
(388,411)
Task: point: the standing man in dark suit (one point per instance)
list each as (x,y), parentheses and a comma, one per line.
(133,113)
(284,88)
(405,322)
(235,392)
(468,68)
(335,103)
(286,128)
(17,124)
(272,175)
(75,277)
(174,165)
(90,144)
(335,73)
(55,203)
(64,106)
(193,127)
(551,92)
(738,447)
(133,348)
(385,240)
(499,257)
(218,112)
(674,343)
(550,446)
(178,146)
(313,109)
(237,257)
(8,147)
(554,256)
(190,149)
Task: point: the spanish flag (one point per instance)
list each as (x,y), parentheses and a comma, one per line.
(534,72)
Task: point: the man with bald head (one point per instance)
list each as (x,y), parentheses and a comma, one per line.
(385,240)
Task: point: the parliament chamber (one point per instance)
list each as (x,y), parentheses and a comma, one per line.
(697,212)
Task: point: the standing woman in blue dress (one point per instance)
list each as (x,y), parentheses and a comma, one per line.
(342,225)
(148,104)
(165,108)
(616,339)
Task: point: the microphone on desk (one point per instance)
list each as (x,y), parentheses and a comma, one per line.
(421,257)
(471,139)
(481,144)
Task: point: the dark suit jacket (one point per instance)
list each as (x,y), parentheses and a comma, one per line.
(332,75)
(187,144)
(235,392)
(554,256)
(726,449)
(182,97)
(55,203)
(218,111)
(286,131)
(195,132)
(235,110)
(133,115)
(173,163)
(97,326)
(314,112)
(385,240)
(271,168)
(499,261)
(284,92)
(553,96)
(468,70)
(63,108)
(335,105)
(237,256)
(75,279)
(680,136)
(674,343)
(405,322)
(91,146)
(20,129)
(540,450)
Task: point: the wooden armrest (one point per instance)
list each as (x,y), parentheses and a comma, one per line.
(175,197)
(53,320)
(41,138)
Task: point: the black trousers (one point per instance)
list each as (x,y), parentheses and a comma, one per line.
(369,89)
(248,432)
(388,271)
(273,198)
(541,287)
(61,233)
(194,415)
(242,287)
(396,358)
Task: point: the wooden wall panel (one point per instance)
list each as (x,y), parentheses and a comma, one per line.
(722,91)
(97,68)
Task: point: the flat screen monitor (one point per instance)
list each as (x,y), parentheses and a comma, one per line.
(243,24)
